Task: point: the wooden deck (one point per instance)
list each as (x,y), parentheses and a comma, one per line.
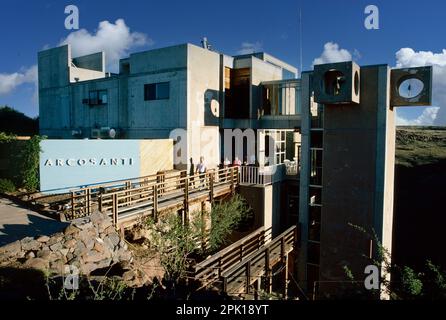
(128,201)
(237,267)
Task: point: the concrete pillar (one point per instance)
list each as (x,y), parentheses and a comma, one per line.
(304,178)
(358,162)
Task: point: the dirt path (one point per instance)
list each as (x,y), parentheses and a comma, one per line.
(17,222)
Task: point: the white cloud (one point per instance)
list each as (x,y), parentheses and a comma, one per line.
(10,81)
(250,47)
(332,53)
(115,39)
(407,57)
(427,118)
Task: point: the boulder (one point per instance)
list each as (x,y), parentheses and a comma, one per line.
(71,229)
(56,247)
(114,238)
(29,243)
(93,256)
(70,243)
(37,263)
(57,266)
(44,254)
(43,239)
(11,249)
(96,218)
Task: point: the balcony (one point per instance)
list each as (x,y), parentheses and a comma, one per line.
(281,98)
(267,175)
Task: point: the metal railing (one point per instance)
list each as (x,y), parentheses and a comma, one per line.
(291,167)
(252,175)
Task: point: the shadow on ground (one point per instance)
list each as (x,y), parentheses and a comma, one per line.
(36,226)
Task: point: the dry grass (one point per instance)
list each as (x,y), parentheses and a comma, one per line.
(420,145)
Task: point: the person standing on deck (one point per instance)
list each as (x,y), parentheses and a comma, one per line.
(201,169)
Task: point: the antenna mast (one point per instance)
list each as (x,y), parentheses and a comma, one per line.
(300,40)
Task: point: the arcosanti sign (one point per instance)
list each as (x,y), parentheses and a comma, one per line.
(88,162)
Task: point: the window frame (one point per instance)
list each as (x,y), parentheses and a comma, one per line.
(155,95)
(97,100)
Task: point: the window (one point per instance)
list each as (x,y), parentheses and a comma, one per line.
(98,97)
(156,91)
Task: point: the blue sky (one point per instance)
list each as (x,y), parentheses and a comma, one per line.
(231,26)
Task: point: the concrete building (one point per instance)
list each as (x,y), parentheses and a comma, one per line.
(320,148)
(156,92)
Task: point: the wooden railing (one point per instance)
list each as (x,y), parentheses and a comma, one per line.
(238,279)
(151,196)
(212,268)
(84,201)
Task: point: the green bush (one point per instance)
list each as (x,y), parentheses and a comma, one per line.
(225,218)
(23,159)
(30,165)
(6,185)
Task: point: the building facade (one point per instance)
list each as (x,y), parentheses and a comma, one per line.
(319,150)
(155,95)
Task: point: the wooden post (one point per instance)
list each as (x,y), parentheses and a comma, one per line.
(88,202)
(225,285)
(285,271)
(268,284)
(128,186)
(115,210)
(282,249)
(296,242)
(100,203)
(72,205)
(155,202)
(232,180)
(211,187)
(248,276)
(186,196)
(241,251)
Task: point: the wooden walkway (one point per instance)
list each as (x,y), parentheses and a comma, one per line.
(128,201)
(248,261)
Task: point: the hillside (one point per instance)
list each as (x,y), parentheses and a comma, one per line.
(420,194)
(417,146)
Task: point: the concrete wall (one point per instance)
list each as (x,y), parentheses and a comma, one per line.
(359,152)
(95,61)
(261,71)
(81,74)
(203,105)
(68,164)
(54,78)
(266,204)
(196,97)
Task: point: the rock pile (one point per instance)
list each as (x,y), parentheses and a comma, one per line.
(88,243)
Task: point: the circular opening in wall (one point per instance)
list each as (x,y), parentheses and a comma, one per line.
(333,82)
(356,83)
(410,87)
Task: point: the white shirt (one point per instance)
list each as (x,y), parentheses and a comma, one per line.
(201,167)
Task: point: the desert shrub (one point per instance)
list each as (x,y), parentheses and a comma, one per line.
(7,186)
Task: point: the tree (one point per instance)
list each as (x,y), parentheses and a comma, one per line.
(225,217)
(176,241)
(408,284)
(15,122)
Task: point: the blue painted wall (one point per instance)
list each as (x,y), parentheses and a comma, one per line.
(69,164)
